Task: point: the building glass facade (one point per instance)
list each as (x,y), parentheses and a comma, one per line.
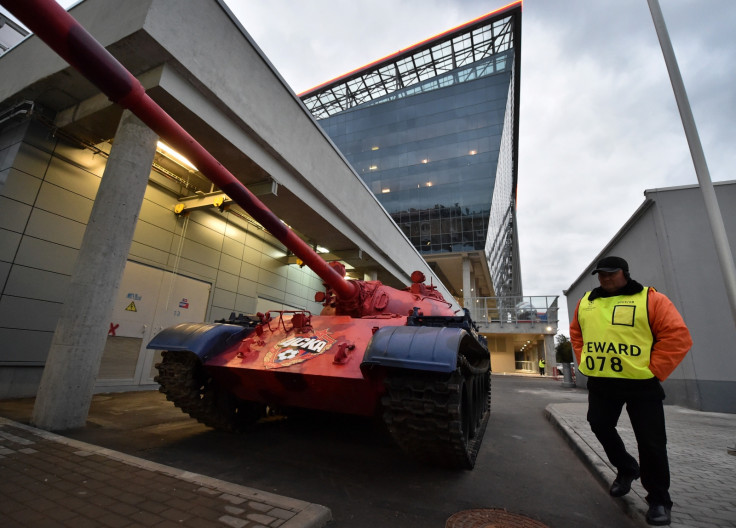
(425,131)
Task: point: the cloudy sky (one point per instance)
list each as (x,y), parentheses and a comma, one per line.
(599,122)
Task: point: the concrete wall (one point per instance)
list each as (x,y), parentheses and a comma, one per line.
(45,203)
(708,379)
(502,353)
(669,245)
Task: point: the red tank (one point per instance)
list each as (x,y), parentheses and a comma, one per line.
(403,354)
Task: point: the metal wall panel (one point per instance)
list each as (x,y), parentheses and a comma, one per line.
(73,178)
(230,265)
(189,267)
(156,214)
(26,347)
(272,265)
(233,248)
(4,271)
(13,215)
(270,293)
(294,288)
(247,287)
(249,270)
(223,299)
(152,235)
(9,242)
(54,228)
(62,202)
(226,281)
(44,255)
(28,314)
(272,280)
(31,160)
(245,304)
(200,254)
(38,284)
(21,186)
(148,255)
(236,235)
(254,242)
(196,232)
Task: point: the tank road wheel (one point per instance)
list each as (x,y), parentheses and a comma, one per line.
(186,383)
(439,418)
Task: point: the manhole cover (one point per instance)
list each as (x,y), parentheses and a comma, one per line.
(491,518)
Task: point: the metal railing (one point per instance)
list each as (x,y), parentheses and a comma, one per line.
(524,366)
(514,310)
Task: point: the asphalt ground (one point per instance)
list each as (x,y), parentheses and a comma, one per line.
(352,468)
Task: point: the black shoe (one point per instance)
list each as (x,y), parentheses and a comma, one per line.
(622,485)
(658,515)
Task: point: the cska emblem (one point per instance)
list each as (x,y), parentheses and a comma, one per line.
(297,349)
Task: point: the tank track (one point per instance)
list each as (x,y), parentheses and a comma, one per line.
(186,383)
(439,418)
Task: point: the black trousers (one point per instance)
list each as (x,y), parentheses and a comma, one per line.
(643,400)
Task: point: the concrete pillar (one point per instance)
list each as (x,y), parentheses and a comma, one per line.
(550,356)
(68,380)
(467,284)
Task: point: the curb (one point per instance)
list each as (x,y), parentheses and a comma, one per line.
(632,504)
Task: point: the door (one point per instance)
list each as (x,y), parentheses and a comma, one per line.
(149,299)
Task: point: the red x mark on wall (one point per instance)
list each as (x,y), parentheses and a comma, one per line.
(113,327)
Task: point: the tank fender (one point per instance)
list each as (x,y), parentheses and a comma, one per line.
(204,339)
(420,348)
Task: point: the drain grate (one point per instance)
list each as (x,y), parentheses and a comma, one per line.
(491,518)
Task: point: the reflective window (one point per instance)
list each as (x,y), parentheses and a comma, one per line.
(431,157)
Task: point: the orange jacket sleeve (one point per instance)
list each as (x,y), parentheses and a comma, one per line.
(672,339)
(576,335)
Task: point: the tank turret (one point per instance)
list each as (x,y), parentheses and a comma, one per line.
(403,354)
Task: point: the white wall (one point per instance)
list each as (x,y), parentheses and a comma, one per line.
(669,245)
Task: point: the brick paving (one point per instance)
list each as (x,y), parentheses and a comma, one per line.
(703,485)
(49,481)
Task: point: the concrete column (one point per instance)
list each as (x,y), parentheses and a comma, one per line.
(68,380)
(549,353)
(467,284)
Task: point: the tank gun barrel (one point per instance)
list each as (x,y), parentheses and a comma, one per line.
(65,36)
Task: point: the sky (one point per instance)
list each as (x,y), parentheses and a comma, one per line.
(599,124)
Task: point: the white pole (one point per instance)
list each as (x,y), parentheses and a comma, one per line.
(725,257)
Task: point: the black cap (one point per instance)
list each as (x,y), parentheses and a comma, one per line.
(611,264)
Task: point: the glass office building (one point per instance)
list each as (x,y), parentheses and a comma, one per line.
(433,132)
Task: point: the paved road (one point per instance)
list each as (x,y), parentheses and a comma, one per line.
(351,466)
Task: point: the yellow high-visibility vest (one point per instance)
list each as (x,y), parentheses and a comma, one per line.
(617,338)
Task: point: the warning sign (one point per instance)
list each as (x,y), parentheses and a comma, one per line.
(131,307)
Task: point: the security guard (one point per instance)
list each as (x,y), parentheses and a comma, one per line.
(542,364)
(628,338)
